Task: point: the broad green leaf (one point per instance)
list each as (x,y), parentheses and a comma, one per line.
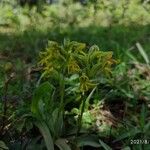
(44,90)
(58,121)
(46,134)
(147,127)
(104,145)
(3,146)
(126,148)
(88,141)
(62,144)
(34,144)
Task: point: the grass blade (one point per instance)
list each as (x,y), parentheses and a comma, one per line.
(143,53)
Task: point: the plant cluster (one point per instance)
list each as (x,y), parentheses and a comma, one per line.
(73,69)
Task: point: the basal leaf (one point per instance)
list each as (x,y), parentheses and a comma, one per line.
(46,134)
(88,141)
(104,145)
(3,146)
(44,90)
(62,144)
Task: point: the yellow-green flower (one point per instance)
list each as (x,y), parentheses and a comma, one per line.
(85,84)
(73,67)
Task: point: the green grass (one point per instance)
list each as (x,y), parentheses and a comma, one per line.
(118,38)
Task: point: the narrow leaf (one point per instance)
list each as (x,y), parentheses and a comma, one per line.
(104,145)
(132,132)
(89,97)
(143,53)
(131,56)
(143,117)
(62,144)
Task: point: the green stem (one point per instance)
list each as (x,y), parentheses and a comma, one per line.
(4,118)
(62,91)
(80,116)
